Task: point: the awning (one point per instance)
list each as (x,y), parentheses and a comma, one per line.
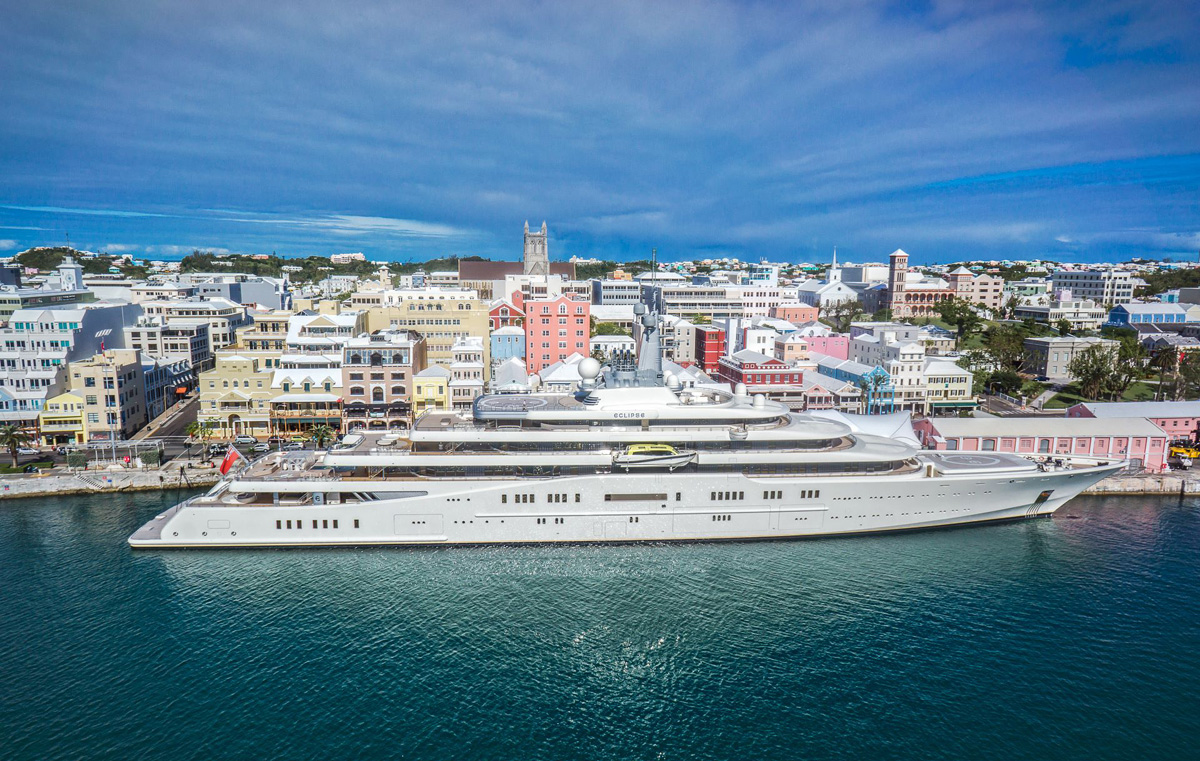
(955,404)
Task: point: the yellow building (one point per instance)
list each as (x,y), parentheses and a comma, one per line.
(235,396)
(442,317)
(431,390)
(265,339)
(61,420)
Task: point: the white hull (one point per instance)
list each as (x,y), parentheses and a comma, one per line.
(634,507)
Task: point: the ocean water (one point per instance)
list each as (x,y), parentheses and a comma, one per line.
(1071,638)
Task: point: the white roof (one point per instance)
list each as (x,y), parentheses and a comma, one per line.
(1045,426)
(1143,409)
(433,371)
(509,330)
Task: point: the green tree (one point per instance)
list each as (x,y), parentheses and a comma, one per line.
(13,438)
(1130,365)
(842,313)
(1006,346)
(1063,327)
(150,456)
(1092,368)
(321,433)
(1009,309)
(882,315)
(962,315)
(202,431)
(77,460)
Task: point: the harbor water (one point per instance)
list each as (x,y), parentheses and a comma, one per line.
(1071,638)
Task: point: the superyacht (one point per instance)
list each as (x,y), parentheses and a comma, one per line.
(631,456)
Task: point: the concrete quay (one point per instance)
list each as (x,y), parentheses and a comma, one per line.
(103,481)
(1177,482)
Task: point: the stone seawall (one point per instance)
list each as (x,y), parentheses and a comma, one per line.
(1162,483)
(93,481)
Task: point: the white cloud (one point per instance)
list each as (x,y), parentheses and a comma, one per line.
(119,248)
(7,244)
(349,224)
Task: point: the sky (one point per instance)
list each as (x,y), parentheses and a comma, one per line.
(764,130)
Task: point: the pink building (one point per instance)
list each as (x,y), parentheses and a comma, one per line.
(794,312)
(555,329)
(1180,420)
(836,345)
(1116,438)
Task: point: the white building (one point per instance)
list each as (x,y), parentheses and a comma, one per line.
(1108,286)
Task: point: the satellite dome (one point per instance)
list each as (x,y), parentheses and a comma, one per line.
(589,368)
(672,382)
(739,389)
(535,380)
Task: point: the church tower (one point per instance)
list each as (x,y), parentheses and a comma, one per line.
(537,252)
(897,281)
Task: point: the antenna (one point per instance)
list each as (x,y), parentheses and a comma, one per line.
(654,263)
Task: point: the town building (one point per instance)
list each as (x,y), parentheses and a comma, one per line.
(795,312)
(555,329)
(61,420)
(823,293)
(69,291)
(235,396)
(222,316)
(1049,357)
(616,292)
(913,296)
(305,398)
(508,342)
(1109,286)
(504,313)
(466,373)
(378,373)
(1129,314)
(154,337)
(113,389)
(441,316)
(1179,420)
(1082,314)
(240,288)
(38,344)
(878,393)
(709,346)
(357,256)
(167,380)
(1134,439)
(983,289)
(606,346)
(431,390)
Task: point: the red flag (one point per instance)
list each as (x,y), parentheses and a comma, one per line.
(231,457)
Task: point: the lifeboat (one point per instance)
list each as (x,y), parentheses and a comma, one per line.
(652,456)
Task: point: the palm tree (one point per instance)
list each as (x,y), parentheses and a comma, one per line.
(13,438)
(321,433)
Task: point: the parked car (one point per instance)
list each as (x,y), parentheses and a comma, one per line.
(244,438)
(28,451)
(216,448)
(292,447)
(262,446)
(66,449)
(298,438)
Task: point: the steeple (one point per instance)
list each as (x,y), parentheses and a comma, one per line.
(835,274)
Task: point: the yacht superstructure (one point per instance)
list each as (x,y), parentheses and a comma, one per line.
(632,456)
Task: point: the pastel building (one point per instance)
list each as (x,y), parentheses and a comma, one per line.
(508,342)
(1179,420)
(1135,439)
(554,330)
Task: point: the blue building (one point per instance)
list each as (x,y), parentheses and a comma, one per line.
(508,343)
(879,393)
(1125,315)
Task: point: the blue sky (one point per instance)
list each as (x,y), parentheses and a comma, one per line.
(774,129)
